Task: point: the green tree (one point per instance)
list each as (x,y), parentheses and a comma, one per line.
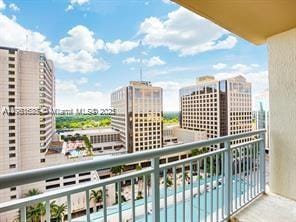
(97,197)
(34,212)
(57,212)
(117,169)
(169,182)
(88,145)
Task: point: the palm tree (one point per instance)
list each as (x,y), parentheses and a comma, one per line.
(36,211)
(32,192)
(97,197)
(58,212)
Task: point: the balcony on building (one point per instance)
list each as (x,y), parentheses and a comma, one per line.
(235,182)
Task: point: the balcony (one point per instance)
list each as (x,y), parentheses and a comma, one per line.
(209,187)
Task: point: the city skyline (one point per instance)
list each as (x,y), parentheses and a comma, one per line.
(108,54)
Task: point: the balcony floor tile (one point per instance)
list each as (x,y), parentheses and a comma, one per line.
(268,208)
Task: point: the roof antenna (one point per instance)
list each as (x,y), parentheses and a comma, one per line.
(141,62)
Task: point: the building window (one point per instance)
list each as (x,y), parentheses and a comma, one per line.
(13,197)
(11,155)
(12,166)
(69,183)
(42,161)
(11,52)
(12,188)
(11,65)
(52,186)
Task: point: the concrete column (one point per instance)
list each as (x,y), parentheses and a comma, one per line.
(282,89)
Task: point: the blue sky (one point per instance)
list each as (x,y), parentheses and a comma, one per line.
(95,45)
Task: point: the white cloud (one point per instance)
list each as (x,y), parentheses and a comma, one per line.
(13,7)
(219,66)
(79,2)
(70,96)
(167,1)
(186,33)
(13,18)
(171,93)
(130,60)
(171,71)
(81,61)
(69,8)
(153,61)
(81,38)
(119,46)
(15,35)
(242,68)
(2,5)
(63,86)
(90,99)
(82,80)
(74,3)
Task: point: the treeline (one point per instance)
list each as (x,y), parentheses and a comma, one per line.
(82,121)
(95,121)
(170,117)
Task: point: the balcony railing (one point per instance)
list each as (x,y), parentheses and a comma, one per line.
(207,187)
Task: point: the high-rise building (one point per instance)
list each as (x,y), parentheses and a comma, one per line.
(138,115)
(261,119)
(219,107)
(26,90)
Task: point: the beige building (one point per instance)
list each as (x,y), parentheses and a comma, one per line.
(26,87)
(219,107)
(138,116)
(173,134)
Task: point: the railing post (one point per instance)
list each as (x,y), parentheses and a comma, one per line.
(23,215)
(262,162)
(228,179)
(155,190)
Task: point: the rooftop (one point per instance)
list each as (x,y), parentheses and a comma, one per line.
(90,131)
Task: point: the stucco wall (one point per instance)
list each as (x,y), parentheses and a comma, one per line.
(282,87)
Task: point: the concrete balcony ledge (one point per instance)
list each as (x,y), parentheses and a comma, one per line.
(268,208)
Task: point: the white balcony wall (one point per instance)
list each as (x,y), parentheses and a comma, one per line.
(282,88)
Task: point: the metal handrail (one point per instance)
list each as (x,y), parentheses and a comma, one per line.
(31,176)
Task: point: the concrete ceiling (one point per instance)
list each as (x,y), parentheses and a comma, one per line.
(253,20)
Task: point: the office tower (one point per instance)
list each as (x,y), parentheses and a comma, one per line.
(26,85)
(220,107)
(261,118)
(138,115)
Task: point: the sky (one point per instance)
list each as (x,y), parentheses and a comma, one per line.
(96,46)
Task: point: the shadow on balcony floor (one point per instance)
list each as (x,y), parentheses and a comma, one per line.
(268,208)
